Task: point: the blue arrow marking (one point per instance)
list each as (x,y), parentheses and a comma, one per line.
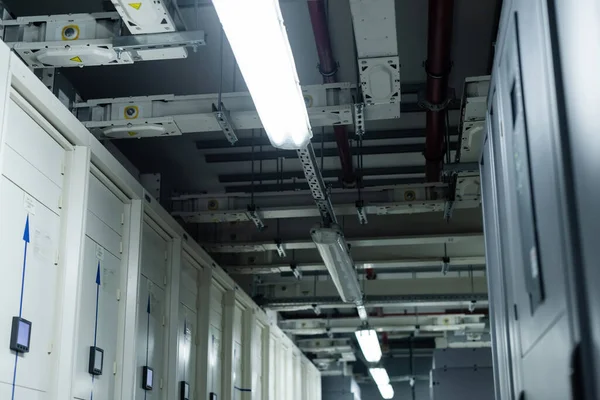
(26,240)
(147,337)
(97,302)
(241,389)
(96,321)
(184,341)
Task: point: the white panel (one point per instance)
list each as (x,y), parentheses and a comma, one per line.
(257,361)
(105,204)
(102,233)
(216,361)
(187,333)
(150,342)
(237,323)
(34,144)
(104,297)
(27,177)
(375,27)
(216,306)
(237,371)
(154,256)
(273,365)
(38,282)
(188,292)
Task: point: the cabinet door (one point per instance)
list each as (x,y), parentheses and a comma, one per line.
(534,233)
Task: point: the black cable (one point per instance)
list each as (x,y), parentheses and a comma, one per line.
(252,194)
(448,158)
(322,148)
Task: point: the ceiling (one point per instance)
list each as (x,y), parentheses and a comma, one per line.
(404,249)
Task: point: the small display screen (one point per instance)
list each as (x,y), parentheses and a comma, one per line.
(20,335)
(147,378)
(23,336)
(98,360)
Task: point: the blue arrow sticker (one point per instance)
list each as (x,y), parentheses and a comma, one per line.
(26,239)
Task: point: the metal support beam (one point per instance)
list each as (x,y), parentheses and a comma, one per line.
(407,265)
(392,208)
(354,242)
(331,346)
(409,301)
(167,40)
(317,185)
(275,154)
(437,323)
(318,137)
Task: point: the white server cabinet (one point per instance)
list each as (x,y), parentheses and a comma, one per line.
(101,287)
(90,258)
(187,328)
(216,336)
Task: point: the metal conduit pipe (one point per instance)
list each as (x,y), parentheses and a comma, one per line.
(438,65)
(328,68)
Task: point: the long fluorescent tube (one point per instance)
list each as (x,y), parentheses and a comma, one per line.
(259,41)
(380,376)
(369,345)
(386,391)
(333,249)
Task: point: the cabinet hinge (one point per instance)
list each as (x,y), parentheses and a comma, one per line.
(121,247)
(118,294)
(114,368)
(60,202)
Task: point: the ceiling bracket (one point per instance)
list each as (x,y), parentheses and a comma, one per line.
(280,248)
(296,270)
(359,119)
(361,212)
(223,119)
(253,215)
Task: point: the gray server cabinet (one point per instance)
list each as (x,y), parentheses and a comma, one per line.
(462,358)
(540,180)
(462,384)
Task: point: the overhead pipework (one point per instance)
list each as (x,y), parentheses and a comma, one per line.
(437,66)
(328,69)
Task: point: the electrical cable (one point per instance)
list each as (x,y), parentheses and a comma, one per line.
(221,70)
(322,148)
(448,158)
(252,169)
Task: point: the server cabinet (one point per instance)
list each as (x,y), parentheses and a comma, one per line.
(542,304)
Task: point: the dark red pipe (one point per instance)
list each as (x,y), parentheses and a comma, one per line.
(438,65)
(328,69)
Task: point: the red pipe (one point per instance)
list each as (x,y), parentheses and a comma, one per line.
(441,15)
(328,69)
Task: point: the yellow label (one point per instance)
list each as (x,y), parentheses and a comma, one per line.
(76,59)
(132,134)
(137,6)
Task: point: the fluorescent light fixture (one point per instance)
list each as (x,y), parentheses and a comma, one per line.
(334,251)
(369,345)
(386,391)
(380,376)
(261,47)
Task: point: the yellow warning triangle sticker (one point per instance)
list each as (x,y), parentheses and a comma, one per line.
(137,6)
(132,133)
(76,59)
